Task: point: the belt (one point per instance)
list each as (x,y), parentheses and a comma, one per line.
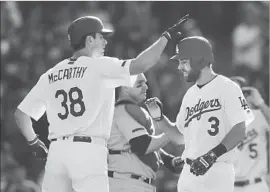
(133,176)
(247,182)
(118,152)
(85,139)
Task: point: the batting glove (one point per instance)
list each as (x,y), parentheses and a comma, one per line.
(175,29)
(203,163)
(38,148)
(155,108)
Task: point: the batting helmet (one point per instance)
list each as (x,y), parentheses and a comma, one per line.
(241,81)
(83,26)
(197,49)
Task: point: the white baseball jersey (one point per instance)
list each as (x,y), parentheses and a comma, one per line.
(208,113)
(78,95)
(251,161)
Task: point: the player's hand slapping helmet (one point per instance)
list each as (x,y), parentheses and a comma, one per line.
(254,96)
(155,108)
(178,164)
(203,163)
(175,29)
(38,148)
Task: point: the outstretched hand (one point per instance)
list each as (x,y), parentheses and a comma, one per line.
(175,29)
(155,108)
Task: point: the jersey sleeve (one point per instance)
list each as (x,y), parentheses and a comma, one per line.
(34,103)
(180,119)
(127,125)
(115,72)
(236,106)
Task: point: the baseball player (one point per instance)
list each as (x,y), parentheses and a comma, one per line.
(135,153)
(251,161)
(78,97)
(213,118)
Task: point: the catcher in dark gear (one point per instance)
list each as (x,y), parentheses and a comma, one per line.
(134,148)
(193,54)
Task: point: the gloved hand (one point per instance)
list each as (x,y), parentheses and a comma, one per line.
(178,164)
(254,96)
(155,108)
(38,148)
(172,31)
(203,163)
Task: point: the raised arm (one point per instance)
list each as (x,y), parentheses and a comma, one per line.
(256,99)
(150,56)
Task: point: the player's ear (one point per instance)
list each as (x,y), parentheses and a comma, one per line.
(89,39)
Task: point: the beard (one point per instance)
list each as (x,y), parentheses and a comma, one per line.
(193,75)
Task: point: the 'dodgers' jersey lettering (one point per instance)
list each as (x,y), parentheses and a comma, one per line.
(201,108)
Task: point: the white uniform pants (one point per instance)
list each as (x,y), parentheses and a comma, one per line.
(76,166)
(219,178)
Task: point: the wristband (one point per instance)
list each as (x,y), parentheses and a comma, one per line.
(34,141)
(219,150)
(167,35)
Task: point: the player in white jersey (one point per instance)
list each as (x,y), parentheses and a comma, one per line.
(213,118)
(251,161)
(78,97)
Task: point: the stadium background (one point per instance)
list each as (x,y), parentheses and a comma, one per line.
(34,39)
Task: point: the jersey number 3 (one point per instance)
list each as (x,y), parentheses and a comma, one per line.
(214,126)
(73,101)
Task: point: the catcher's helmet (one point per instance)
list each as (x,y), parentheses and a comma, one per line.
(83,26)
(197,49)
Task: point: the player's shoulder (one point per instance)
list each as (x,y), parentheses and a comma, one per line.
(54,68)
(106,59)
(137,112)
(226,83)
(57,66)
(190,91)
(100,61)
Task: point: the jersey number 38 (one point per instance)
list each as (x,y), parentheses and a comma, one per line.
(74,100)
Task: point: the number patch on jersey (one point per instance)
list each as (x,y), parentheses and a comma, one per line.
(253,151)
(214,126)
(73,102)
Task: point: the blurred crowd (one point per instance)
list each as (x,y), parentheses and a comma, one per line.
(34,39)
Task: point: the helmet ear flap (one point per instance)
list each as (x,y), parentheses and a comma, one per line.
(197,63)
